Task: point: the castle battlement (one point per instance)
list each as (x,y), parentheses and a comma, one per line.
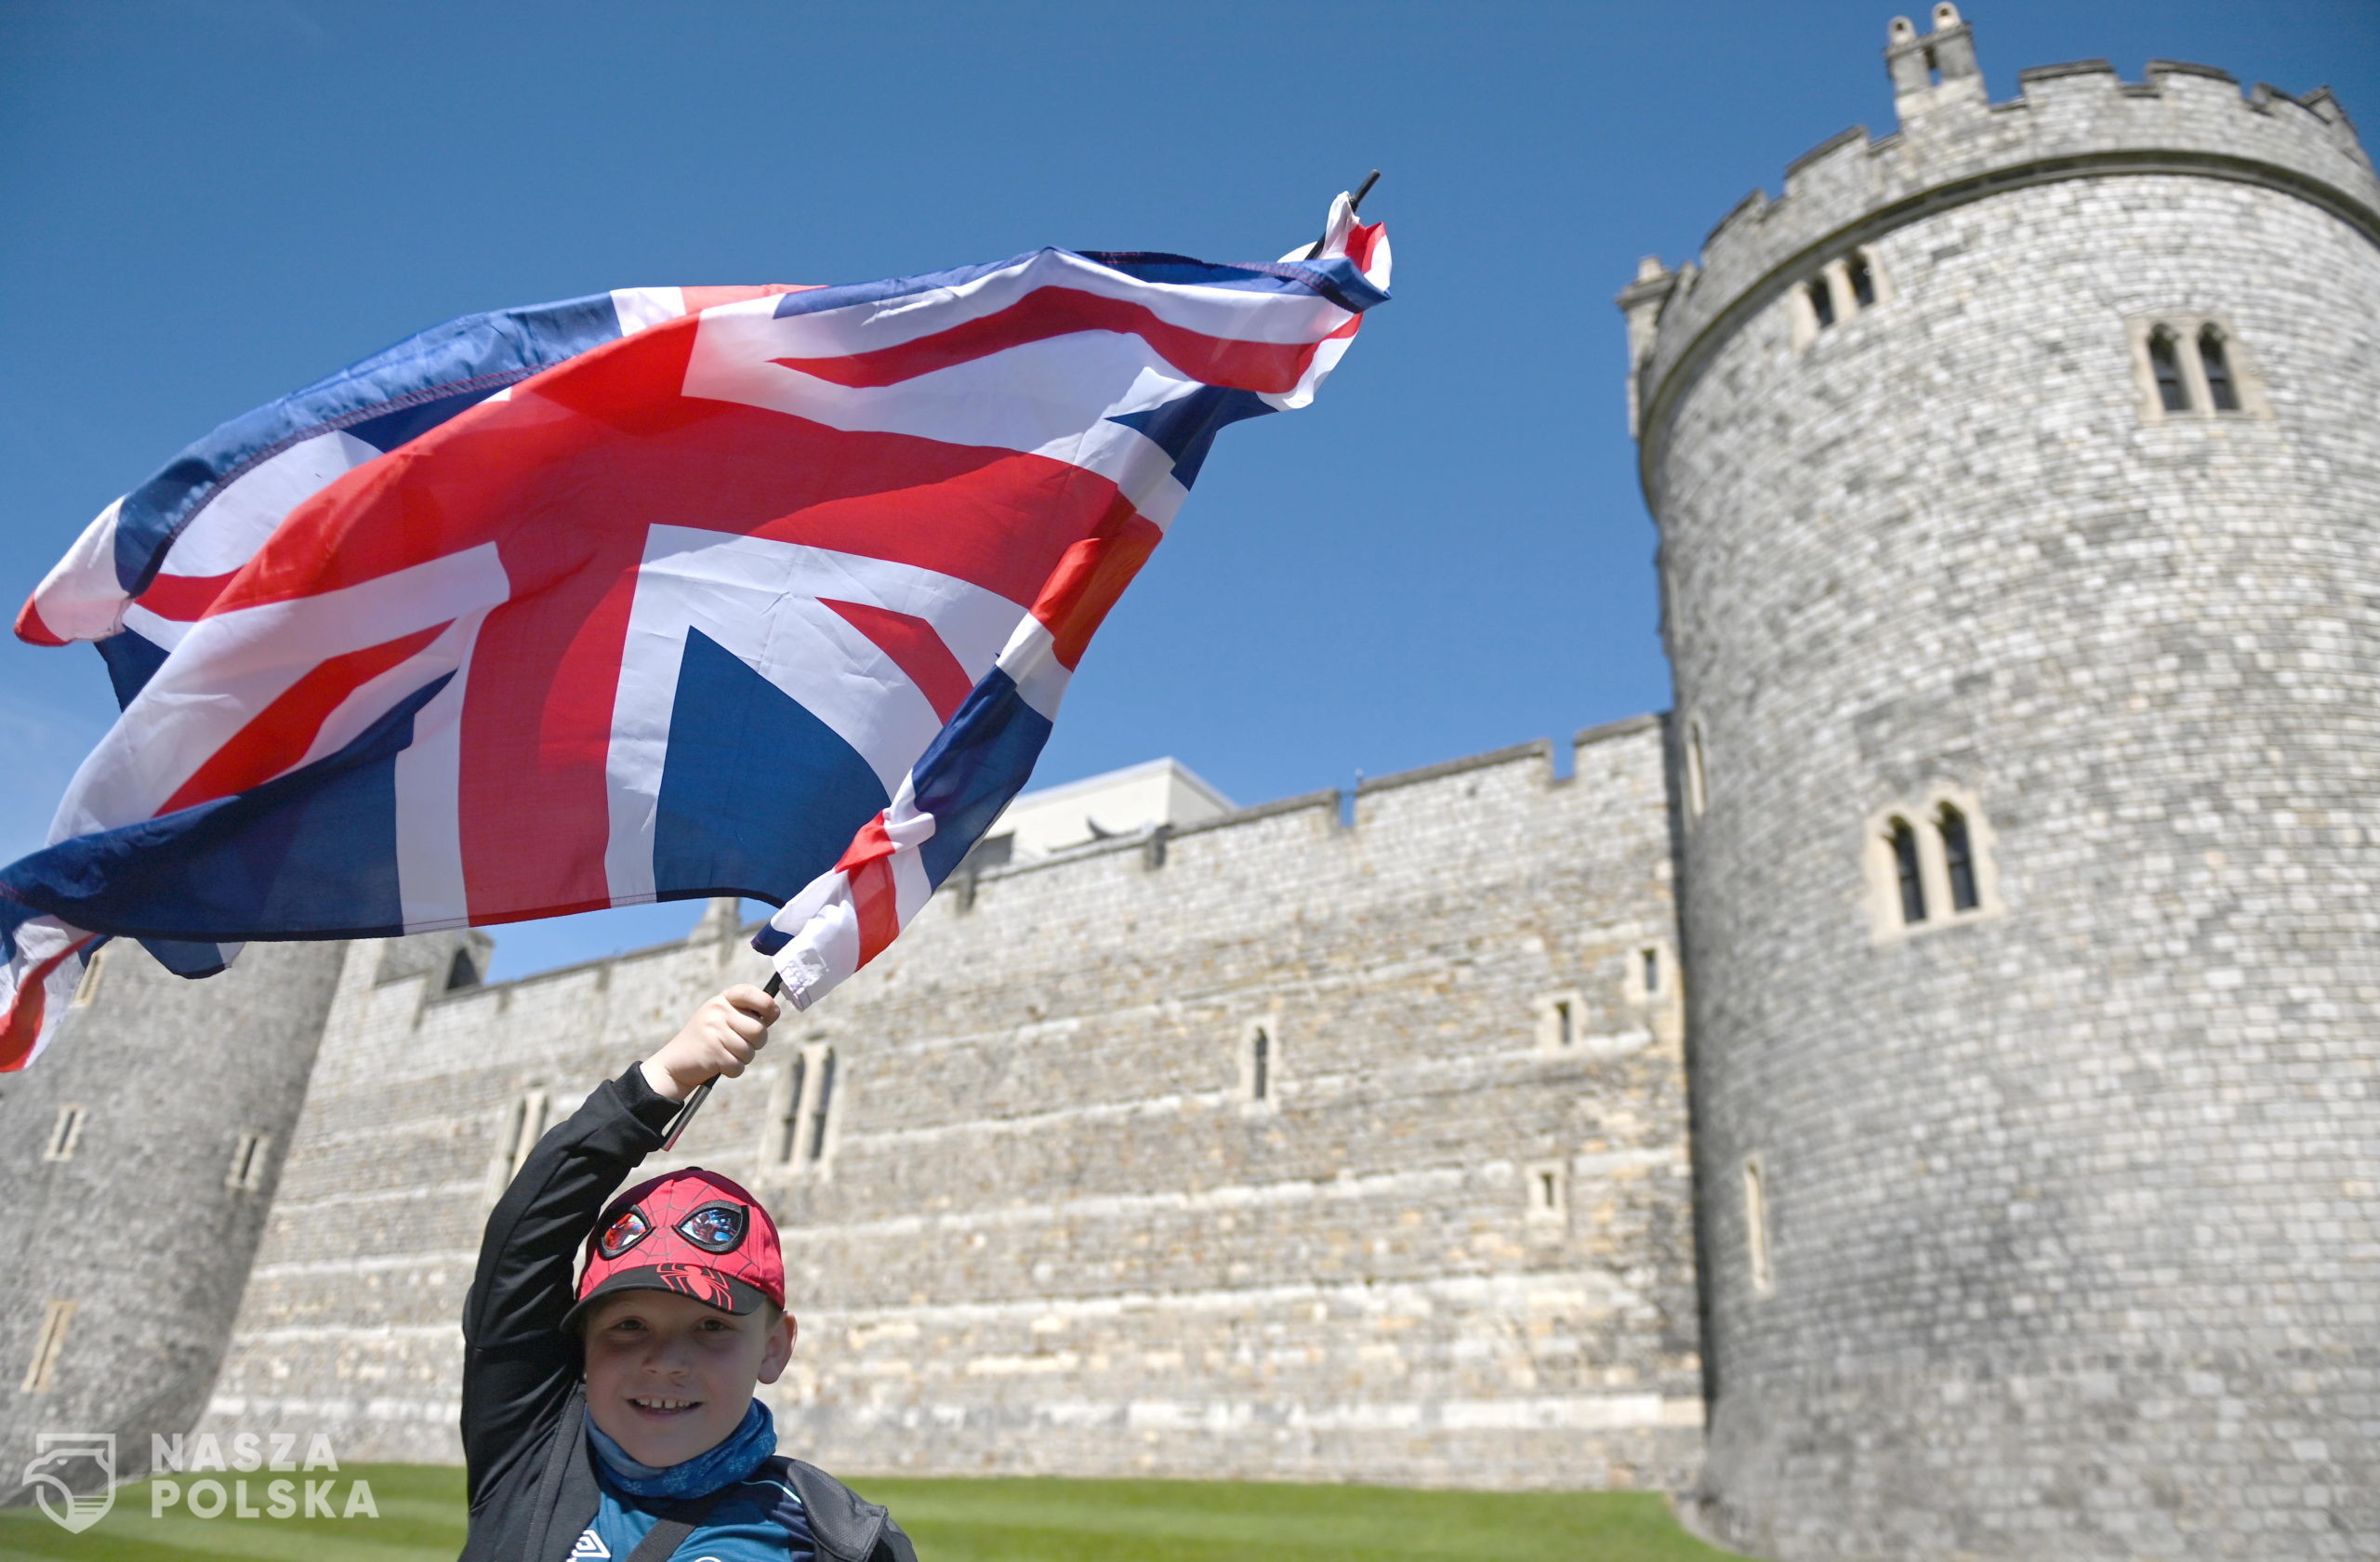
(427,959)
(1954,146)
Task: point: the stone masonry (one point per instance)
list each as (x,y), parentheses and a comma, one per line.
(2015,474)
(1052,1225)
(137,1218)
(2049,1226)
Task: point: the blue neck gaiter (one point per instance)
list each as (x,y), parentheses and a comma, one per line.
(731,1460)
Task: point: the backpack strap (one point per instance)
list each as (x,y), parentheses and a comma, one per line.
(845,1526)
(662,1541)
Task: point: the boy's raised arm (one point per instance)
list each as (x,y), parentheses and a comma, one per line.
(518,1362)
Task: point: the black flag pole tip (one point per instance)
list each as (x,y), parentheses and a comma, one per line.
(1355,203)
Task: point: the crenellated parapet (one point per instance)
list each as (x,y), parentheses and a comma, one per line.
(1954,146)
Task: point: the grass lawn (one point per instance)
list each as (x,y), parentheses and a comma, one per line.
(421,1520)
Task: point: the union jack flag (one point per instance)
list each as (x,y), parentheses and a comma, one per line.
(660,593)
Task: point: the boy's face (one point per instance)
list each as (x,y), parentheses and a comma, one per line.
(668,1378)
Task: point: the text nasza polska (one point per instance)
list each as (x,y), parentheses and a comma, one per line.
(283,1499)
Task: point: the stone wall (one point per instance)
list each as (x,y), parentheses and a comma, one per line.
(1048,1229)
(139,1226)
(2070,1227)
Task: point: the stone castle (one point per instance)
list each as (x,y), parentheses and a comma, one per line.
(1919,1100)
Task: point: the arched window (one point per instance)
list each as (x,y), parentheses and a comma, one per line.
(1260,1065)
(1863,280)
(1929,864)
(1958,858)
(2166,363)
(461,972)
(2221,388)
(1821,298)
(1912,885)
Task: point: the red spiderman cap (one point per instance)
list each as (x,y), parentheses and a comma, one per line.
(693,1232)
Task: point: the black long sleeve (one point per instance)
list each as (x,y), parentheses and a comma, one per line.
(519,1366)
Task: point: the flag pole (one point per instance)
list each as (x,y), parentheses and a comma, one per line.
(1355,204)
(702,1092)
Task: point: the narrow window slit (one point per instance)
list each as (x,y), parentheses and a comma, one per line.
(1958,858)
(818,1113)
(786,1133)
(1863,282)
(2166,363)
(1912,886)
(248,1162)
(1821,298)
(89,988)
(2221,388)
(528,1127)
(42,1370)
(65,1133)
(1697,783)
(1756,1229)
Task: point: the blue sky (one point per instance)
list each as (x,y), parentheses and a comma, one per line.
(212,202)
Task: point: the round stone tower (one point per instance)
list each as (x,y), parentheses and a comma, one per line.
(2018,478)
(139,1155)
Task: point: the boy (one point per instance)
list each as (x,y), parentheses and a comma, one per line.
(613,1418)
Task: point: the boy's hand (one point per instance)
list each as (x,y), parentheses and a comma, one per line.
(718,1037)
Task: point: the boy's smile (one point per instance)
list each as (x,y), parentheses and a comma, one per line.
(669,1377)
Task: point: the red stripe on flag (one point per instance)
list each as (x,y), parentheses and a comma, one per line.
(184,598)
(31,630)
(1089,578)
(1363,243)
(876,902)
(915,648)
(24,1017)
(867,866)
(276,738)
(1057,312)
